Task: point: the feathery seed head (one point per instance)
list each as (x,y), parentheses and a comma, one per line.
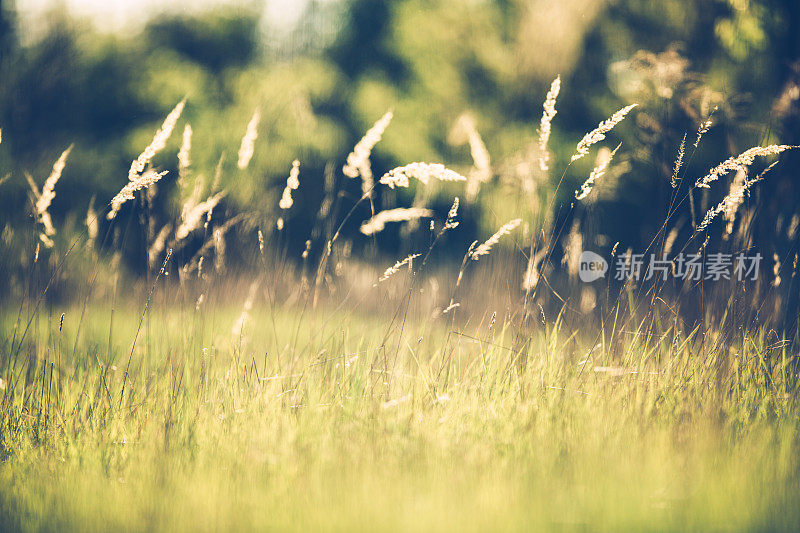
(158,143)
(247,148)
(238,326)
(598,171)
(424,172)
(286,199)
(451,221)
(184,160)
(730,204)
(92,224)
(397,266)
(743,160)
(158,245)
(126,193)
(545,126)
(358,163)
(678,163)
(599,133)
(401,214)
(192,219)
(292,183)
(48,189)
(487,246)
(704,127)
(466,131)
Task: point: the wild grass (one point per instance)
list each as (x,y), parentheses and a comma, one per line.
(324,392)
(340,422)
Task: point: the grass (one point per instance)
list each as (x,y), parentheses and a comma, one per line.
(285,428)
(344,404)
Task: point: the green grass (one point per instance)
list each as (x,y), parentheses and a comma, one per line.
(424,430)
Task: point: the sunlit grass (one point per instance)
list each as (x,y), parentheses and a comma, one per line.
(340,421)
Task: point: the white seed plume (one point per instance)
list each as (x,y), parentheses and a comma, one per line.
(158,143)
(743,160)
(184,159)
(138,178)
(424,172)
(736,195)
(572,249)
(218,238)
(247,148)
(218,173)
(158,245)
(465,131)
(292,183)
(730,204)
(286,199)
(599,133)
(776,270)
(126,193)
(669,242)
(531,278)
(477,149)
(597,173)
(479,153)
(486,247)
(453,305)
(678,163)
(358,163)
(703,129)
(545,126)
(238,326)
(48,189)
(47,241)
(791,231)
(44,198)
(389,272)
(482,171)
(194,199)
(192,219)
(451,221)
(401,214)
(92,224)
(725,205)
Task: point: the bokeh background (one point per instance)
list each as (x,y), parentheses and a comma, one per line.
(102,75)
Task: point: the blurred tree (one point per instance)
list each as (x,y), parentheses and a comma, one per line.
(365,41)
(215,40)
(8,29)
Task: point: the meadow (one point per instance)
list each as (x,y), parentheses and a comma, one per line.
(330,424)
(323,392)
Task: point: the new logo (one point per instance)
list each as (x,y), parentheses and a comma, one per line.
(592,267)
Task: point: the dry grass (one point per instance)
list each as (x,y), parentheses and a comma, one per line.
(324,392)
